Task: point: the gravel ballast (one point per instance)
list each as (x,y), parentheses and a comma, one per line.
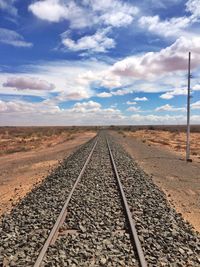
(96,214)
(25,229)
(166,238)
(97,228)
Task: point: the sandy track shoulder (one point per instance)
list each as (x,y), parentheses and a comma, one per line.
(20,172)
(180,180)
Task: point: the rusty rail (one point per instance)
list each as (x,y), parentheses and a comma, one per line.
(131,222)
(54,232)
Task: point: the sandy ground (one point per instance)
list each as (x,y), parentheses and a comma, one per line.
(20,172)
(174,141)
(180,180)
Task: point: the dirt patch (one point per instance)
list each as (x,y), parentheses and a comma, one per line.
(22,139)
(20,172)
(174,141)
(179,180)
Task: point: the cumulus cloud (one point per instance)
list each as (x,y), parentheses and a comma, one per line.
(193,6)
(168,60)
(170,27)
(195,105)
(13,38)
(176,26)
(82,113)
(50,10)
(22,107)
(141,99)
(104,94)
(109,80)
(120,92)
(114,12)
(78,95)
(175,92)
(24,83)
(47,113)
(196,87)
(57,10)
(91,12)
(10,106)
(139,119)
(98,42)
(86,106)
(134,109)
(131,103)
(93,112)
(73,80)
(168,107)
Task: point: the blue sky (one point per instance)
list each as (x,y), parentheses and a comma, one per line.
(91,62)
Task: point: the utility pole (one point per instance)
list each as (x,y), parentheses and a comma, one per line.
(188,112)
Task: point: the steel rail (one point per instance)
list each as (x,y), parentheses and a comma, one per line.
(134,234)
(62,215)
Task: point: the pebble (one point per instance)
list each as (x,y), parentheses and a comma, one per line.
(95,211)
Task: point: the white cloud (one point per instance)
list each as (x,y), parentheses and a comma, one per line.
(13,38)
(141,99)
(117,19)
(196,87)
(17,107)
(119,92)
(78,95)
(175,92)
(46,113)
(193,6)
(72,79)
(122,92)
(17,112)
(23,83)
(168,60)
(104,94)
(131,103)
(167,96)
(111,12)
(134,109)
(139,119)
(90,106)
(50,10)
(195,105)
(8,6)
(98,42)
(170,27)
(109,80)
(168,107)
(57,10)
(176,26)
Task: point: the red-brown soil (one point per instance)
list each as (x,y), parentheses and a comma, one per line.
(21,171)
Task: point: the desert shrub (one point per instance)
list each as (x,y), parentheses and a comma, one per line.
(151,128)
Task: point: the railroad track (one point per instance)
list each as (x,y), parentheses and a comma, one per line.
(95,227)
(71,226)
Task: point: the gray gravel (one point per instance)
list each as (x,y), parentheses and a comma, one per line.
(24,230)
(95,213)
(166,238)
